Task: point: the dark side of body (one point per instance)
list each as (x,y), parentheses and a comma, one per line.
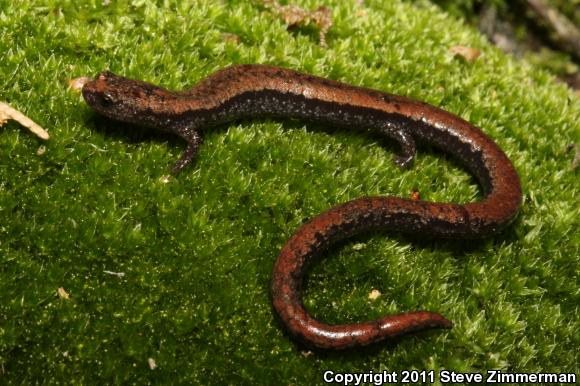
(244,91)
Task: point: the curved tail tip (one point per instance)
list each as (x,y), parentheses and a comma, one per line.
(445,323)
(435,320)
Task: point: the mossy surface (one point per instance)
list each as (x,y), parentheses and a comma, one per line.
(197,251)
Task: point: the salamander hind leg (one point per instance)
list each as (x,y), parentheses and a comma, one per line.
(193,141)
(407,143)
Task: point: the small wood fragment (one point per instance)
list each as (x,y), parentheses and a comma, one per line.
(374,294)
(8,113)
(467,53)
(62,293)
(295,16)
(118,274)
(76,84)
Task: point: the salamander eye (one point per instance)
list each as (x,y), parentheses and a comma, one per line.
(107,99)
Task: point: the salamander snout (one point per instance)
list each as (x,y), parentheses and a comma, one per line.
(114,96)
(98,100)
(99,93)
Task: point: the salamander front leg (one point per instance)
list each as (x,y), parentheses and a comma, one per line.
(193,140)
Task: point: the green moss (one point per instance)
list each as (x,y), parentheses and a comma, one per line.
(197,251)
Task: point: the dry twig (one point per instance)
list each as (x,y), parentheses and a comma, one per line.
(8,113)
(567,35)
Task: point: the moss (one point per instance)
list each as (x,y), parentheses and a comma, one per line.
(197,251)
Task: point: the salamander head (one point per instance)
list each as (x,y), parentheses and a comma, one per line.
(123,99)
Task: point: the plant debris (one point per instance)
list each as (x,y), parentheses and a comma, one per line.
(76,84)
(467,53)
(374,294)
(62,293)
(564,33)
(8,113)
(296,17)
(118,274)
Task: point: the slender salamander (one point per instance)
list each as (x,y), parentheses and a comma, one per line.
(257,91)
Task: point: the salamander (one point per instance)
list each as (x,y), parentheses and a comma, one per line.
(252,90)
